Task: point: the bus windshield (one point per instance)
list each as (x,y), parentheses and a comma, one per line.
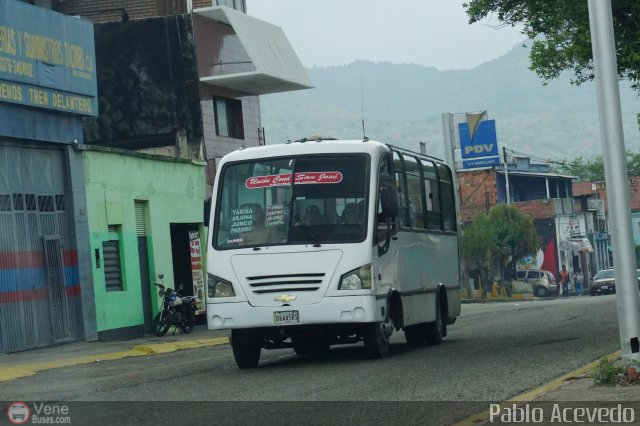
(295,200)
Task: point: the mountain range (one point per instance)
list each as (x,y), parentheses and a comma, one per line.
(402,104)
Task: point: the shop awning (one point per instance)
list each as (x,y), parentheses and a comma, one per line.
(576,245)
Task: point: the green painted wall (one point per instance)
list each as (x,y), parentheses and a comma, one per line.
(174,191)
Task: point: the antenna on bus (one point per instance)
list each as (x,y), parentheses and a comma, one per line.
(364,133)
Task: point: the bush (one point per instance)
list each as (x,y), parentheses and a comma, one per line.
(606,373)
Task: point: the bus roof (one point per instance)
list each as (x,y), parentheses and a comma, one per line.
(311,146)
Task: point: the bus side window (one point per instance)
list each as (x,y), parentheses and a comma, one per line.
(447,198)
(432,198)
(414,191)
(385,179)
(403,214)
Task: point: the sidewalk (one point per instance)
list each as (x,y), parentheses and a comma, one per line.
(572,392)
(27,363)
(573,386)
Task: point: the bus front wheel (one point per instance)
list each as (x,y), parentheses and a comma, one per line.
(246,347)
(376,339)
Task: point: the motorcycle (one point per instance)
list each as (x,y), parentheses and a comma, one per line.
(177,310)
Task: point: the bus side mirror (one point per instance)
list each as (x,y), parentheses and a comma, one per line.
(388,201)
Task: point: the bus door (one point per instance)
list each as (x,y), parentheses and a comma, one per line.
(385,231)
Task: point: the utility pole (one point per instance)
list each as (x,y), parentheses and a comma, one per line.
(449,156)
(616,176)
(506,175)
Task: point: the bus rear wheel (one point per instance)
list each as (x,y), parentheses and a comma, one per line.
(435,331)
(246,347)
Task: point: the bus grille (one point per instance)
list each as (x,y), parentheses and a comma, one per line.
(289,282)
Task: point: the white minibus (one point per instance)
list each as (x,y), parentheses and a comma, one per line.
(323,242)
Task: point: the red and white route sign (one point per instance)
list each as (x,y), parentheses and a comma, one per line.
(303,178)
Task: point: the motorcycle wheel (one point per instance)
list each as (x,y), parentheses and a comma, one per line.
(188,322)
(161,324)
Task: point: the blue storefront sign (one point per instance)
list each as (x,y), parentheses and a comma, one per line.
(479,147)
(47,60)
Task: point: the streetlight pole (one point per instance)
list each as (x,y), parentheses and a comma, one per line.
(506,176)
(615,168)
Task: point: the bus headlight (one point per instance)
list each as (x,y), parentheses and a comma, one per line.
(217,287)
(357,279)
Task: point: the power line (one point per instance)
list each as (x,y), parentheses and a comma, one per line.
(537,158)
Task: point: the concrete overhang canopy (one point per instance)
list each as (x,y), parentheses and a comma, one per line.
(277,67)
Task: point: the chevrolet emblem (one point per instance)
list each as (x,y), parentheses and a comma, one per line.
(285,298)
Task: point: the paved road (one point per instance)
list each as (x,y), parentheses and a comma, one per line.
(493,352)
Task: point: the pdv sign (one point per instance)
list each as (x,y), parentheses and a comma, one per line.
(480,142)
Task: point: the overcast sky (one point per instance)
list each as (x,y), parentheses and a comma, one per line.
(427,32)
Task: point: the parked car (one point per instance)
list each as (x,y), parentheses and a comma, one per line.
(604,282)
(542,282)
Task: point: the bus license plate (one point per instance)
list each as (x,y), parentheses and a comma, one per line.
(286,317)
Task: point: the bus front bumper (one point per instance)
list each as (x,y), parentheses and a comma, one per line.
(331,310)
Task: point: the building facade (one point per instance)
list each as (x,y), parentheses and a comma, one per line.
(183,78)
(47,84)
(592,197)
(179,79)
(545,196)
(145,213)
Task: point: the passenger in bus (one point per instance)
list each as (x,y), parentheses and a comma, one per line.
(260,233)
(351,214)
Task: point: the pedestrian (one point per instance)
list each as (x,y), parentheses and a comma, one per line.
(579,279)
(564,280)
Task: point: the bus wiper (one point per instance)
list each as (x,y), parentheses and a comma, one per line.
(292,210)
(300,224)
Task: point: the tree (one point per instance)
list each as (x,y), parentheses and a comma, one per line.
(593,169)
(584,170)
(560,34)
(504,232)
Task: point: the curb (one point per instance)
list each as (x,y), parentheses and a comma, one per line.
(26,370)
(539,391)
(485,301)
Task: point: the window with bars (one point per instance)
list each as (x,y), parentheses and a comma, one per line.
(45,203)
(18,201)
(60,204)
(111,261)
(30,201)
(21,202)
(5,203)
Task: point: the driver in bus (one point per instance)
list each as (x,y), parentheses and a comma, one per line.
(312,215)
